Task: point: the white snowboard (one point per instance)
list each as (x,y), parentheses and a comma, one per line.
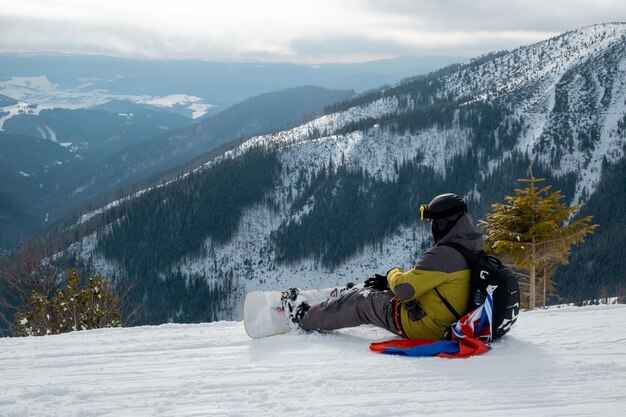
(263,313)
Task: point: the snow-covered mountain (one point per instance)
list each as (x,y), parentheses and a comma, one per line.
(41,93)
(555,362)
(340,193)
(55,161)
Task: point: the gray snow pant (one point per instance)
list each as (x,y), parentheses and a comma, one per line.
(363,306)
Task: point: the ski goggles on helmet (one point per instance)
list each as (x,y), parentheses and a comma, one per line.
(423,212)
(426,213)
(440,222)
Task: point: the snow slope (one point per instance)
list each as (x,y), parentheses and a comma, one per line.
(558,362)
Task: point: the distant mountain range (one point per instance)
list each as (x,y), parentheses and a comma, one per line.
(56,161)
(104,113)
(335,199)
(187,87)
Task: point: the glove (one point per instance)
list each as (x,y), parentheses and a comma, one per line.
(377,282)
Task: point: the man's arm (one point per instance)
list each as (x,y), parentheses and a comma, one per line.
(414,283)
(433,268)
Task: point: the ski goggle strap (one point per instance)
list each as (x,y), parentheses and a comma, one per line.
(427,214)
(423,209)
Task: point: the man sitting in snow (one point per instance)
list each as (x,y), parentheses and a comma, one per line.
(418,304)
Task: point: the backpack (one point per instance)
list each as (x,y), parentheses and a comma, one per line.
(487,270)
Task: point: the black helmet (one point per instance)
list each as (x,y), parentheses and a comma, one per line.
(444,211)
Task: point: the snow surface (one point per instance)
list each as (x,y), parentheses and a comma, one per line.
(556,362)
(20,108)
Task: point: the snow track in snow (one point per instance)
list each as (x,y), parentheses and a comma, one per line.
(557,362)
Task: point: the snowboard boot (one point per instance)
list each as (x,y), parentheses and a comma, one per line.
(295,305)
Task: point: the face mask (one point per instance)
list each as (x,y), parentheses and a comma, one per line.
(437,233)
(441,227)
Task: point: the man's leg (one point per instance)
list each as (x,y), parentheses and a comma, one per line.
(364,306)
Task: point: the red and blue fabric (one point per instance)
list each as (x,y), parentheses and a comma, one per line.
(469,336)
(477,323)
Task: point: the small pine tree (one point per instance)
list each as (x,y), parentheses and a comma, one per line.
(535,231)
(74,307)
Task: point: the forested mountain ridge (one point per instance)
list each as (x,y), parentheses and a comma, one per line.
(340,194)
(61,160)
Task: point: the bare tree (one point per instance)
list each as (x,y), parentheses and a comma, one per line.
(21,274)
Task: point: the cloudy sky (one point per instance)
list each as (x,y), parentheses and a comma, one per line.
(306,31)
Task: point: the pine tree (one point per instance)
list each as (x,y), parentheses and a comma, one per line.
(93,305)
(536,231)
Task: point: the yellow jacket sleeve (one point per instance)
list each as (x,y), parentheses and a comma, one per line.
(414,283)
